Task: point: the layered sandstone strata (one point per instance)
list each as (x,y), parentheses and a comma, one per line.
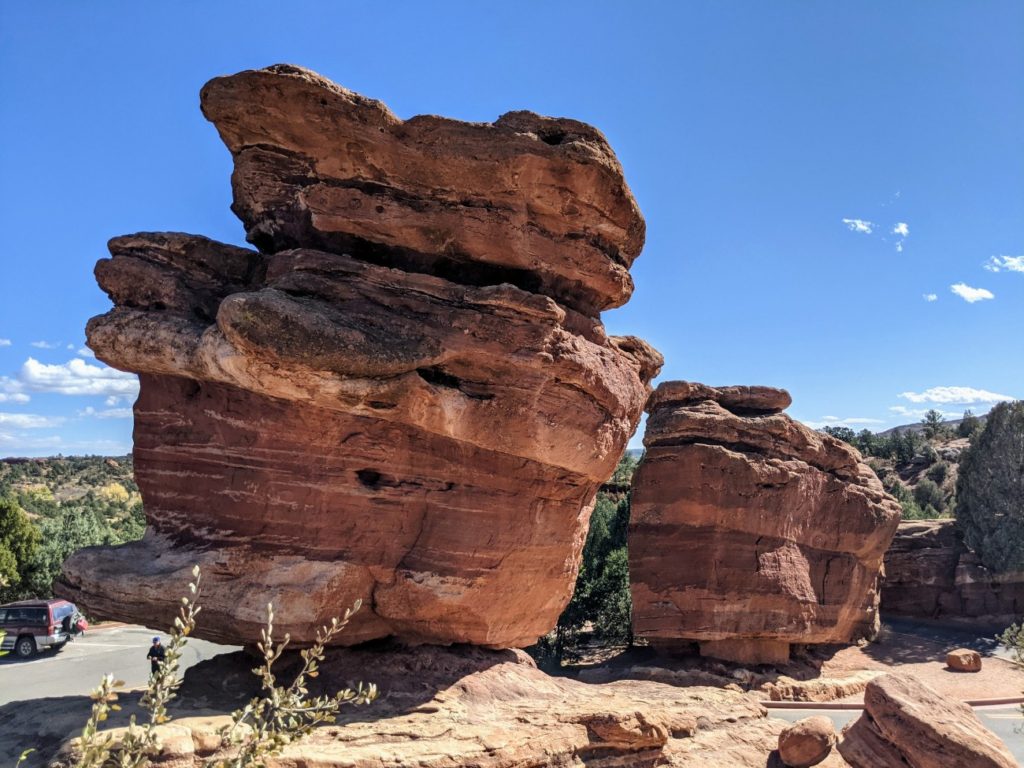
(906,723)
(930,573)
(442,708)
(749,531)
(406,397)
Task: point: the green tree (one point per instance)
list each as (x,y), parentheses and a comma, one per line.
(990,490)
(845,434)
(933,426)
(968,425)
(928,494)
(19,542)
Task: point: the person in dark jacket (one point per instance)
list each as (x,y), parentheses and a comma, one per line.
(156,655)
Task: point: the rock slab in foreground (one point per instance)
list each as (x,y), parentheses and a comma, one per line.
(370,416)
(750,531)
(470,707)
(906,723)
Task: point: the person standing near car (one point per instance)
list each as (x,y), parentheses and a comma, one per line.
(156,655)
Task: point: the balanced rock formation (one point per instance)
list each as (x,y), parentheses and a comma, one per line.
(905,723)
(750,531)
(930,573)
(405,397)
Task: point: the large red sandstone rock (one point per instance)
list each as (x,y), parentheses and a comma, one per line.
(930,573)
(750,531)
(315,427)
(905,723)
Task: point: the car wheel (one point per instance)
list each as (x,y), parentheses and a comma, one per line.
(25,647)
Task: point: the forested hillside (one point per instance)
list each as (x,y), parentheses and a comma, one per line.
(51,507)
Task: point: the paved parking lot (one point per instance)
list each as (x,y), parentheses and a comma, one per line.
(78,667)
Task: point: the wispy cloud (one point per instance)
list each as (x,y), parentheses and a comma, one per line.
(106,413)
(85,352)
(859,225)
(971,295)
(1005,264)
(901,229)
(5,342)
(45,344)
(930,297)
(961,395)
(76,377)
(30,420)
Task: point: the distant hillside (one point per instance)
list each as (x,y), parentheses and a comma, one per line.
(917,427)
(73,502)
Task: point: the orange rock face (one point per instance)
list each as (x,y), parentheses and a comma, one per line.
(907,723)
(406,397)
(749,531)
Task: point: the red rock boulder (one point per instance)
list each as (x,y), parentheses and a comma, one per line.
(906,723)
(406,397)
(749,531)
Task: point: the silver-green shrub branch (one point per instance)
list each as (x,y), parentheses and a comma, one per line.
(281,715)
(138,743)
(262,728)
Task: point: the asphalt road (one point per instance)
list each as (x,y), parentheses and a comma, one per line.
(77,668)
(1006,722)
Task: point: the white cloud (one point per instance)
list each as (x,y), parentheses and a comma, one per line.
(963,395)
(918,413)
(901,229)
(930,297)
(45,344)
(1007,263)
(14,397)
(113,400)
(5,342)
(971,295)
(77,377)
(899,247)
(859,225)
(107,413)
(29,420)
(86,352)
(12,391)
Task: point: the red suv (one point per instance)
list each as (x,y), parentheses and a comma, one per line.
(32,625)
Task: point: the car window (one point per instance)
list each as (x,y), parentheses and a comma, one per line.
(3,615)
(63,610)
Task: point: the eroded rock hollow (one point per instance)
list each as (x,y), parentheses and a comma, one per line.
(749,531)
(406,396)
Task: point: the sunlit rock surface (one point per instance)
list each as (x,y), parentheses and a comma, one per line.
(749,531)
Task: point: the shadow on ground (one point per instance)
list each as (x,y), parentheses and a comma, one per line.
(407,681)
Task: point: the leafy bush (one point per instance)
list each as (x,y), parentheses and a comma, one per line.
(990,490)
(928,494)
(938,472)
(261,729)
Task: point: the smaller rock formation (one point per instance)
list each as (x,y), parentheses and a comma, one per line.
(906,723)
(964,660)
(807,742)
(750,531)
(931,574)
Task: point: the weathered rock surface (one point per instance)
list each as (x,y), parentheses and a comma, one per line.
(964,660)
(380,420)
(906,723)
(807,742)
(930,573)
(535,201)
(442,708)
(750,531)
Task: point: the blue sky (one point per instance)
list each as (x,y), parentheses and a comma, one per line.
(762,141)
